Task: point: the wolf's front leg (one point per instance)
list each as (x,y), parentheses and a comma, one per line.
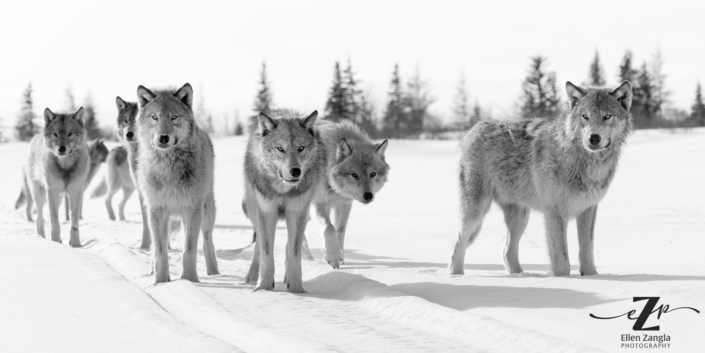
(158,223)
(54,203)
(266,226)
(192,219)
(342,214)
(295,227)
(75,200)
(253,273)
(39,195)
(146,237)
(332,252)
(557,243)
(586,238)
(207,228)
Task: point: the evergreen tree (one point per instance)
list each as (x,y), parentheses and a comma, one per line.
(461,108)
(26,128)
(367,119)
(263,100)
(597,72)
(645,108)
(394,115)
(627,72)
(661,94)
(418,99)
(476,114)
(698,109)
(203,117)
(70,100)
(352,95)
(89,119)
(540,94)
(336,104)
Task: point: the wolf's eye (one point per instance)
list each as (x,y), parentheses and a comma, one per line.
(585,117)
(70,134)
(373,174)
(174,117)
(154,117)
(55,135)
(607,117)
(280,149)
(125,121)
(302,148)
(354,175)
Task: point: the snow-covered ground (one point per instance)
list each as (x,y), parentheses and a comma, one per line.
(393,293)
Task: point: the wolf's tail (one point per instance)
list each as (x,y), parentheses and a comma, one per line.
(101,189)
(20,200)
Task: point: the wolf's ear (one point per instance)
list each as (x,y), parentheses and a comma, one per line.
(381,148)
(574,93)
(623,93)
(310,121)
(266,123)
(121,104)
(185,94)
(78,116)
(344,149)
(48,116)
(144,95)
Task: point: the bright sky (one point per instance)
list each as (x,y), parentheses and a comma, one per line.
(109,48)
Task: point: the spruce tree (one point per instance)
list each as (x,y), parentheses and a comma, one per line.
(352,95)
(263,100)
(645,109)
(660,94)
(336,104)
(26,128)
(367,119)
(394,115)
(540,95)
(627,72)
(596,75)
(476,114)
(698,110)
(418,99)
(461,108)
(89,119)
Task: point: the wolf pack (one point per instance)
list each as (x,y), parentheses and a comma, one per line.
(296,165)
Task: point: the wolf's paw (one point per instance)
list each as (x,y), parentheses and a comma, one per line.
(76,244)
(588,272)
(191,277)
(265,285)
(161,278)
(456,269)
(334,259)
(295,288)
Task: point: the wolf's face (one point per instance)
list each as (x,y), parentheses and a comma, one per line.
(166,117)
(599,117)
(97,151)
(359,171)
(126,121)
(63,132)
(289,145)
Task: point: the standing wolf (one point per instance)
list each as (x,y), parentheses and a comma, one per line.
(121,166)
(356,171)
(284,164)
(57,165)
(97,153)
(561,167)
(175,177)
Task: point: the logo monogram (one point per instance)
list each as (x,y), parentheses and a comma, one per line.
(649,309)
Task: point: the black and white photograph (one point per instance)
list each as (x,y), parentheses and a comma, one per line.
(352,176)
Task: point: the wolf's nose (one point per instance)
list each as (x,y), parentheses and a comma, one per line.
(62,149)
(295,172)
(164,139)
(594,139)
(130,134)
(368,196)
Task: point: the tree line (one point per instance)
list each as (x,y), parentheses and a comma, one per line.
(406,113)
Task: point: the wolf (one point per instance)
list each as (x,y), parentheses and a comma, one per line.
(117,177)
(57,164)
(175,177)
(97,153)
(356,170)
(284,164)
(560,166)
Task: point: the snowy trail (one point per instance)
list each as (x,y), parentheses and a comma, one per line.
(58,299)
(393,293)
